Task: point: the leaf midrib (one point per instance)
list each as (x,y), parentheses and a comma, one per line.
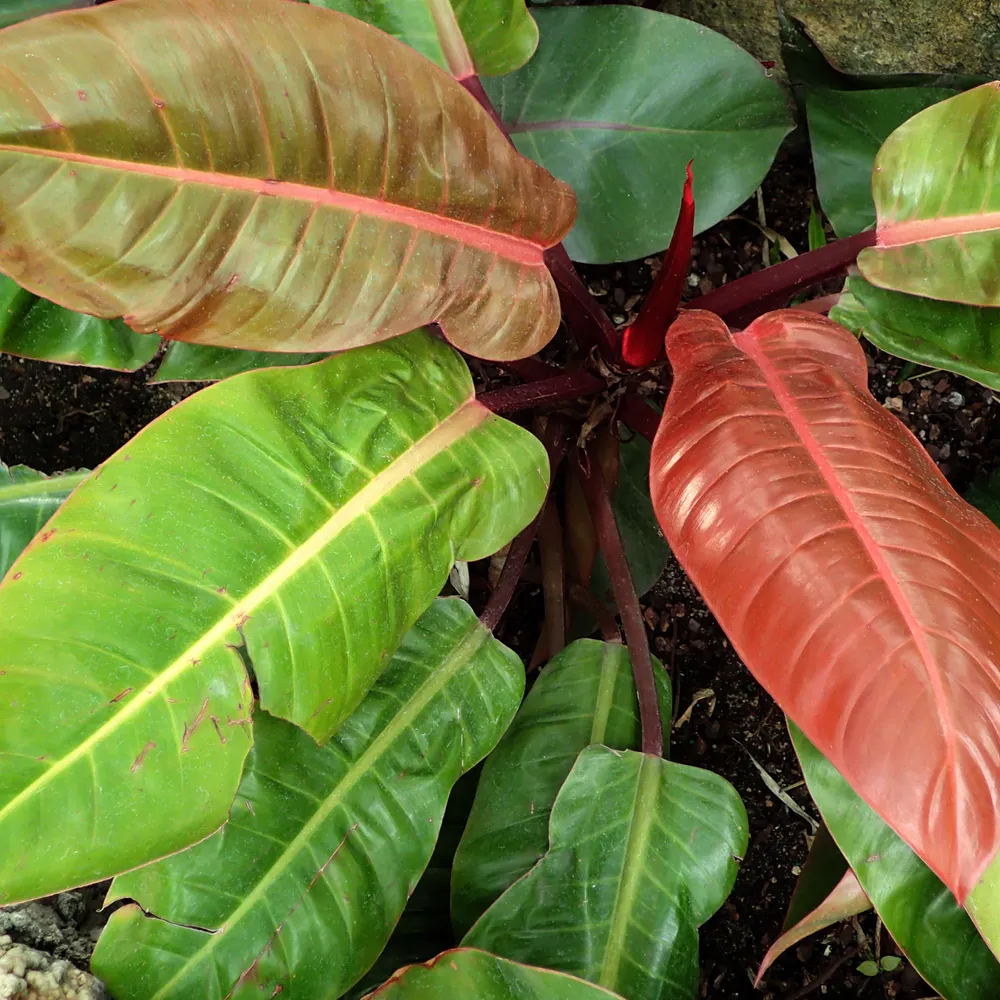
(469,415)
(643,814)
(463,653)
(789,406)
(506,245)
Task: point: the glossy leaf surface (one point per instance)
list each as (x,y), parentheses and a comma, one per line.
(584,695)
(938,204)
(610,121)
(352,486)
(491,37)
(202,363)
(275,177)
(324,844)
(36,328)
(948,335)
(425,926)
(847,900)
(642,851)
(27,500)
(851,579)
(917,909)
(846,131)
(466,972)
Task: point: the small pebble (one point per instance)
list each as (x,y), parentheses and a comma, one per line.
(955,399)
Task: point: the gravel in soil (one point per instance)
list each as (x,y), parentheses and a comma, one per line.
(56,417)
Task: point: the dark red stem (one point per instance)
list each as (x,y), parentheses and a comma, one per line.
(741,301)
(636,413)
(642,342)
(610,541)
(554,440)
(589,323)
(475,87)
(570,385)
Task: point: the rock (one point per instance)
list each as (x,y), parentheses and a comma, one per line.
(866,36)
(54,928)
(27,974)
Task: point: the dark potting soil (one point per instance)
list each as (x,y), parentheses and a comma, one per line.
(55,417)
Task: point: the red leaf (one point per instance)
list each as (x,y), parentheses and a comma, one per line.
(642,342)
(859,588)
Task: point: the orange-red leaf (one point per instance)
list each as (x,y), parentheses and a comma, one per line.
(859,588)
(266,175)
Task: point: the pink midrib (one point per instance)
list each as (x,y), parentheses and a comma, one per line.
(750,346)
(515,248)
(900,234)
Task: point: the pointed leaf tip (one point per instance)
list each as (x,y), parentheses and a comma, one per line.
(643,340)
(847,900)
(847,573)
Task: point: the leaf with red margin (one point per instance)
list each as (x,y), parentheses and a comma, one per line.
(857,586)
(938,203)
(269,176)
(846,900)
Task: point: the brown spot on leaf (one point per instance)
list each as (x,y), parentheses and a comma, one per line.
(17,575)
(157,103)
(220,590)
(189,730)
(121,694)
(218,730)
(137,763)
(82,95)
(51,125)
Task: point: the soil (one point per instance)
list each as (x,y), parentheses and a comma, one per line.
(56,417)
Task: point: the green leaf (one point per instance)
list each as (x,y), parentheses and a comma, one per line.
(36,328)
(984,493)
(824,868)
(491,37)
(642,851)
(618,99)
(12,11)
(27,500)
(584,695)
(848,311)
(938,205)
(645,547)
(474,975)
(201,363)
(918,911)
(817,234)
(324,844)
(890,963)
(868,968)
(425,929)
(310,513)
(846,130)
(278,177)
(947,335)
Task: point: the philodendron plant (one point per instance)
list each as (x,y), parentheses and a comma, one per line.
(228,679)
